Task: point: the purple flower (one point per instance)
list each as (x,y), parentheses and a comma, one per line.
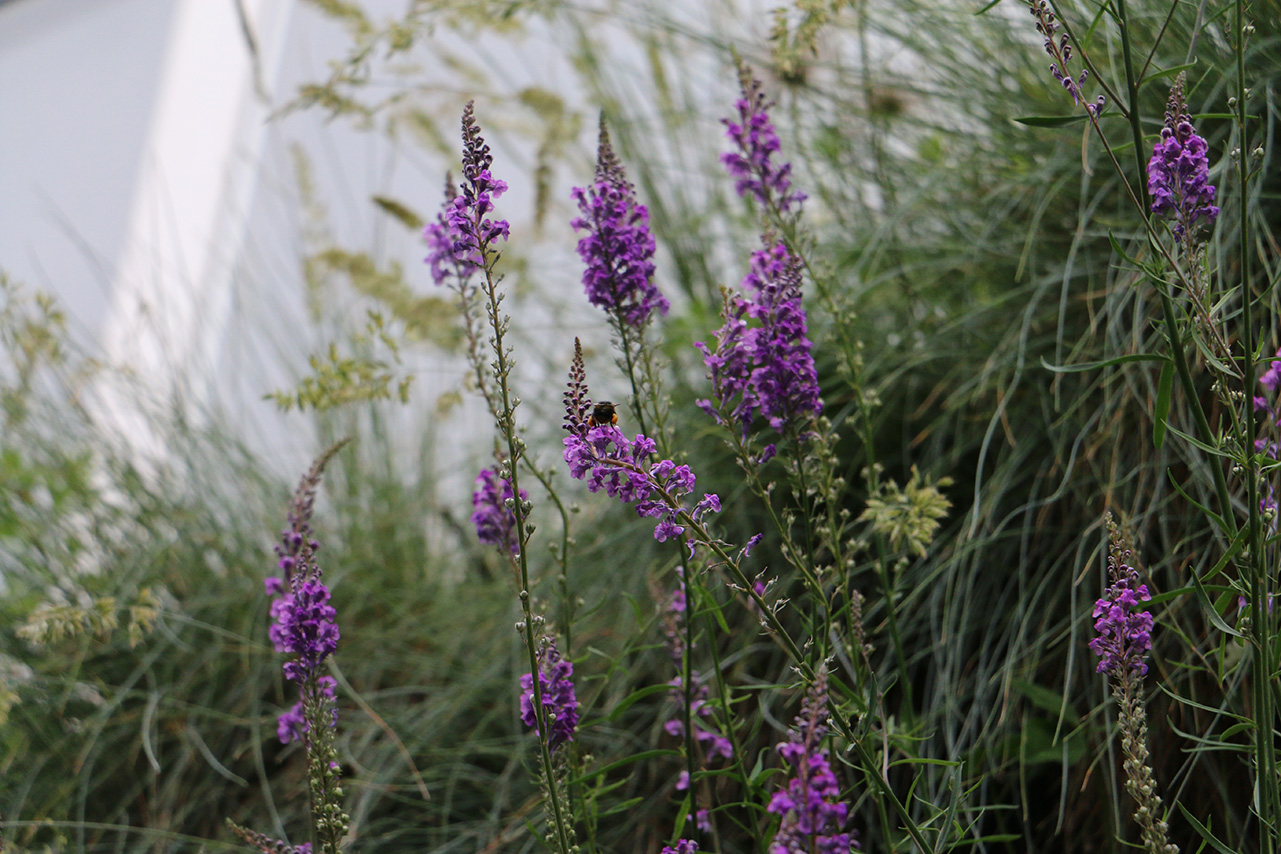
(813,814)
(755,140)
(494,520)
(1271,378)
(706,733)
(764,370)
(441,236)
(467,222)
(303,621)
(292,725)
(560,706)
(618,247)
(682,846)
(304,627)
(1179,171)
(609,461)
(1060,50)
(1125,635)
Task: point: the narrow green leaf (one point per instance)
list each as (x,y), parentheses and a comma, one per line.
(1106,363)
(1204,831)
(1210,610)
(1197,443)
(622,763)
(1050,121)
(1164,386)
(631,698)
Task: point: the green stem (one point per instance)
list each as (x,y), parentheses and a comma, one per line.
(515,450)
(1262,666)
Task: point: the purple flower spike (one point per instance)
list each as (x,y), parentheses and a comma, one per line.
(1271,378)
(813,815)
(560,706)
(1060,50)
(303,622)
(1125,634)
(609,461)
(764,370)
(618,247)
(1179,171)
(468,223)
(754,138)
(494,520)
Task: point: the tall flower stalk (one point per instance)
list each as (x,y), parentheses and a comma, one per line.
(812,815)
(304,627)
(617,250)
(476,237)
(1122,645)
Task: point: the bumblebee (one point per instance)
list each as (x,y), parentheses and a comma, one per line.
(602,413)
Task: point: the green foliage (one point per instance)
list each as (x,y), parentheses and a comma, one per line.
(339,380)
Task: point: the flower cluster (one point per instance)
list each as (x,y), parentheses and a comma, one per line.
(441,237)
(813,815)
(682,846)
(303,621)
(765,370)
(706,734)
(756,141)
(492,514)
(622,467)
(1125,635)
(467,223)
(560,706)
(1179,171)
(618,247)
(1060,51)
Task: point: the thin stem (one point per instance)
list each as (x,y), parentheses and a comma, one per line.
(515,451)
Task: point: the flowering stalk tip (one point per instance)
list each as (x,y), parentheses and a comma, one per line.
(755,142)
(1125,634)
(1179,170)
(1060,50)
(622,467)
(617,246)
(469,224)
